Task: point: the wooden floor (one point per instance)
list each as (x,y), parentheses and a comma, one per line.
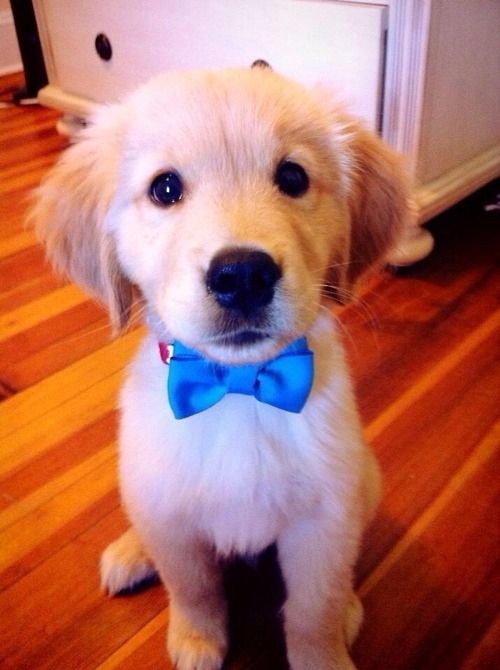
(424,349)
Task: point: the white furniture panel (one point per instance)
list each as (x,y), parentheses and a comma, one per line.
(461,110)
(339,44)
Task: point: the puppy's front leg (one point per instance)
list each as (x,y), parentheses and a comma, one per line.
(125,564)
(197,633)
(321,614)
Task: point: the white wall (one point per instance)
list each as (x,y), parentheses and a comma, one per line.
(10,59)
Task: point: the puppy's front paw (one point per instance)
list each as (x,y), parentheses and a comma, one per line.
(306,654)
(192,649)
(125,564)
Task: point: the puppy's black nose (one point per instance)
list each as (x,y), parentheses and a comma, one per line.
(242,279)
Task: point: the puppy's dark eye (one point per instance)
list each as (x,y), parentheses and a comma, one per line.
(291,179)
(166,189)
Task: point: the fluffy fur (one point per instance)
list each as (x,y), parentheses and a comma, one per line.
(241,475)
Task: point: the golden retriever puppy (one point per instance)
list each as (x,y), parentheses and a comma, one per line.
(225,203)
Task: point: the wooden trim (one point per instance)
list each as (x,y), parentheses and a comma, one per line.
(434,197)
(449,188)
(405,75)
(53,96)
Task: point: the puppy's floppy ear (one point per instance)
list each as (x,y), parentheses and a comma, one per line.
(378,203)
(69,210)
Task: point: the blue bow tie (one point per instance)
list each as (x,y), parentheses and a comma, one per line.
(195,384)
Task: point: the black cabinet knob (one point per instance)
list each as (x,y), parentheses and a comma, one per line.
(260,62)
(103,47)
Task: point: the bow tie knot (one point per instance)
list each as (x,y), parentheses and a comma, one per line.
(195,383)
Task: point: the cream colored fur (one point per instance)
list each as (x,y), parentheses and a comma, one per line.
(241,475)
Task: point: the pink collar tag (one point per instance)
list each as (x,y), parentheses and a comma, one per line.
(166,352)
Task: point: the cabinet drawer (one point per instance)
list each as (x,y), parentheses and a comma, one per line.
(334,43)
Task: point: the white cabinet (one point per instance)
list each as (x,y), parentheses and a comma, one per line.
(442,96)
(341,44)
(424,73)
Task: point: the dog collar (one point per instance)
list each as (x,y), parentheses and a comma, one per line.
(195,383)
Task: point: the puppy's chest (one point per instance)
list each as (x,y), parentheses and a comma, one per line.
(247,474)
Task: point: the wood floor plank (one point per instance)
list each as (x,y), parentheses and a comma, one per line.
(382,348)
(21,267)
(56,351)
(72,576)
(35,438)
(484,451)
(102,366)
(42,140)
(24,178)
(127,655)
(422,449)
(80,614)
(485,655)
(34,502)
(57,342)
(150,654)
(27,316)
(19,241)
(38,552)
(21,482)
(432,574)
(43,514)
(29,290)
(432,377)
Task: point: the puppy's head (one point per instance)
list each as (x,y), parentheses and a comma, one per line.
(228,201)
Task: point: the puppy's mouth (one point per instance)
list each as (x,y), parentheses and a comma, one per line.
(242,338)
(246,345)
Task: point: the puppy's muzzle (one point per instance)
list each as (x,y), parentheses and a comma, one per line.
(243,281)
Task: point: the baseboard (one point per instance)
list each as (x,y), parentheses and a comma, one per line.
(53,96)
(10,58)
(439,194)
